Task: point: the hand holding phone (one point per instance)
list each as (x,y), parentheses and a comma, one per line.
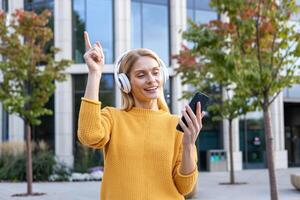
(193,105)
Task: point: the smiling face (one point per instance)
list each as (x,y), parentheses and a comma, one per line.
(146,80)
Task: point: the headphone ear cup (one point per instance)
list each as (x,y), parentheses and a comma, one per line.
(124,82)
(164,72)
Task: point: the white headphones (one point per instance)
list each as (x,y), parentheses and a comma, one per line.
(122,80)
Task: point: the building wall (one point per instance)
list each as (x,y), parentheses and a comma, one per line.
(65,132)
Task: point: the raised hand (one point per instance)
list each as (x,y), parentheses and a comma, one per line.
(194,122)
(94,56)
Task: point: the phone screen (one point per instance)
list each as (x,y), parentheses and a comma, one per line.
(193,104)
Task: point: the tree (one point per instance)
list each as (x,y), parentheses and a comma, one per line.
(29,71)
(208,67)
(265,48)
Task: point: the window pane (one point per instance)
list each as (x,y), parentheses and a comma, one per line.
(44,131)
(5,118)
(293,92)
(4,5)
(95,16)
(107,97)
(202,5)
(78,29)
(200,11)
(39,5)
(155,29)
(163,2)
(150,27)
(190,14)
(202,16)
(136,25)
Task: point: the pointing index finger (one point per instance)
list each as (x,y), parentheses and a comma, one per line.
(87,41)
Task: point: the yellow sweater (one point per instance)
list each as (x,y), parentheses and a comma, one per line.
(142,151)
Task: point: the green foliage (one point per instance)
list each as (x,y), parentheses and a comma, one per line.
(29,71)
(253,55)
(13,165)
(42,165)
(61,172)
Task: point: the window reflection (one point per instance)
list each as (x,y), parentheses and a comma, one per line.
(252,141)
(4,5)
(95,16)
(150,26)
(4,124)
(107,98)
(44,131)
(200,11)
(292,92)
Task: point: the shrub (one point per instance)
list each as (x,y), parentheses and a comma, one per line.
(13,161)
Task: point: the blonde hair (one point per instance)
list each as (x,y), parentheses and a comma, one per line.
(125,67)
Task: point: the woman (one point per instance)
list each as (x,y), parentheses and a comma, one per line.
(145,156)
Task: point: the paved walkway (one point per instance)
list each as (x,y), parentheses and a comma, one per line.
(257,187)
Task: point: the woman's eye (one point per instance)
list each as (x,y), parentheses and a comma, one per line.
(140,75)
(156,73)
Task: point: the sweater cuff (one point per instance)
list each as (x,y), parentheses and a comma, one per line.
(90,101)
(186,175)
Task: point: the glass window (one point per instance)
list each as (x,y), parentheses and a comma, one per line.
(4,124)
(200,12)
(252,140)
(4,5)
(96,17)
(150,26)
(39,5)
(107,97)
(46,130)
(292,92)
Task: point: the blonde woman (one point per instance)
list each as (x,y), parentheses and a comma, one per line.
(145,156)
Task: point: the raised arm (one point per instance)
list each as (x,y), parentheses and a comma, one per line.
(94,58)
(94,124)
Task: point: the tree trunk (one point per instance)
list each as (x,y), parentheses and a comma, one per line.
(28,158)
(269,149)
(232,179)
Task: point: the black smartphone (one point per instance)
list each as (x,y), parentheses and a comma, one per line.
(193,104)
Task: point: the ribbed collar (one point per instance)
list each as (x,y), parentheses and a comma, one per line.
(143,111)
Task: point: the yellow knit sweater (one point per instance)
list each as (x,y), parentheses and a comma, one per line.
(142,151)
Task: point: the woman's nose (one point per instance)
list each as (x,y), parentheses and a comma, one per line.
(151,78)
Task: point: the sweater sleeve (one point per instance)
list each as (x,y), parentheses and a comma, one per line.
(184,183)
(94,124)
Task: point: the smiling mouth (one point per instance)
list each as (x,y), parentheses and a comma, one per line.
(151,89)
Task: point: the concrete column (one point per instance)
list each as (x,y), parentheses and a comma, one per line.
(277,127)
(16,128)
(237,154)
(178,22)
(16,124)
(122,17)
(64,122)
(63,93)
(15,4)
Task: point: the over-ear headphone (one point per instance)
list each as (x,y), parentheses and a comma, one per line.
(122,80)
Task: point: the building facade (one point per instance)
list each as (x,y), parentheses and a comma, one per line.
(121,25)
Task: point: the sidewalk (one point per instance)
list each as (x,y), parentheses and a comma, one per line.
(257,187)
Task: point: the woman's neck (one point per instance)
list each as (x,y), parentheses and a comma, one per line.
(152,104)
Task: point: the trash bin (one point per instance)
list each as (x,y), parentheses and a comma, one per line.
(216,160)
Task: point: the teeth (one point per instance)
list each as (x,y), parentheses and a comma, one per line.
(153,88)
